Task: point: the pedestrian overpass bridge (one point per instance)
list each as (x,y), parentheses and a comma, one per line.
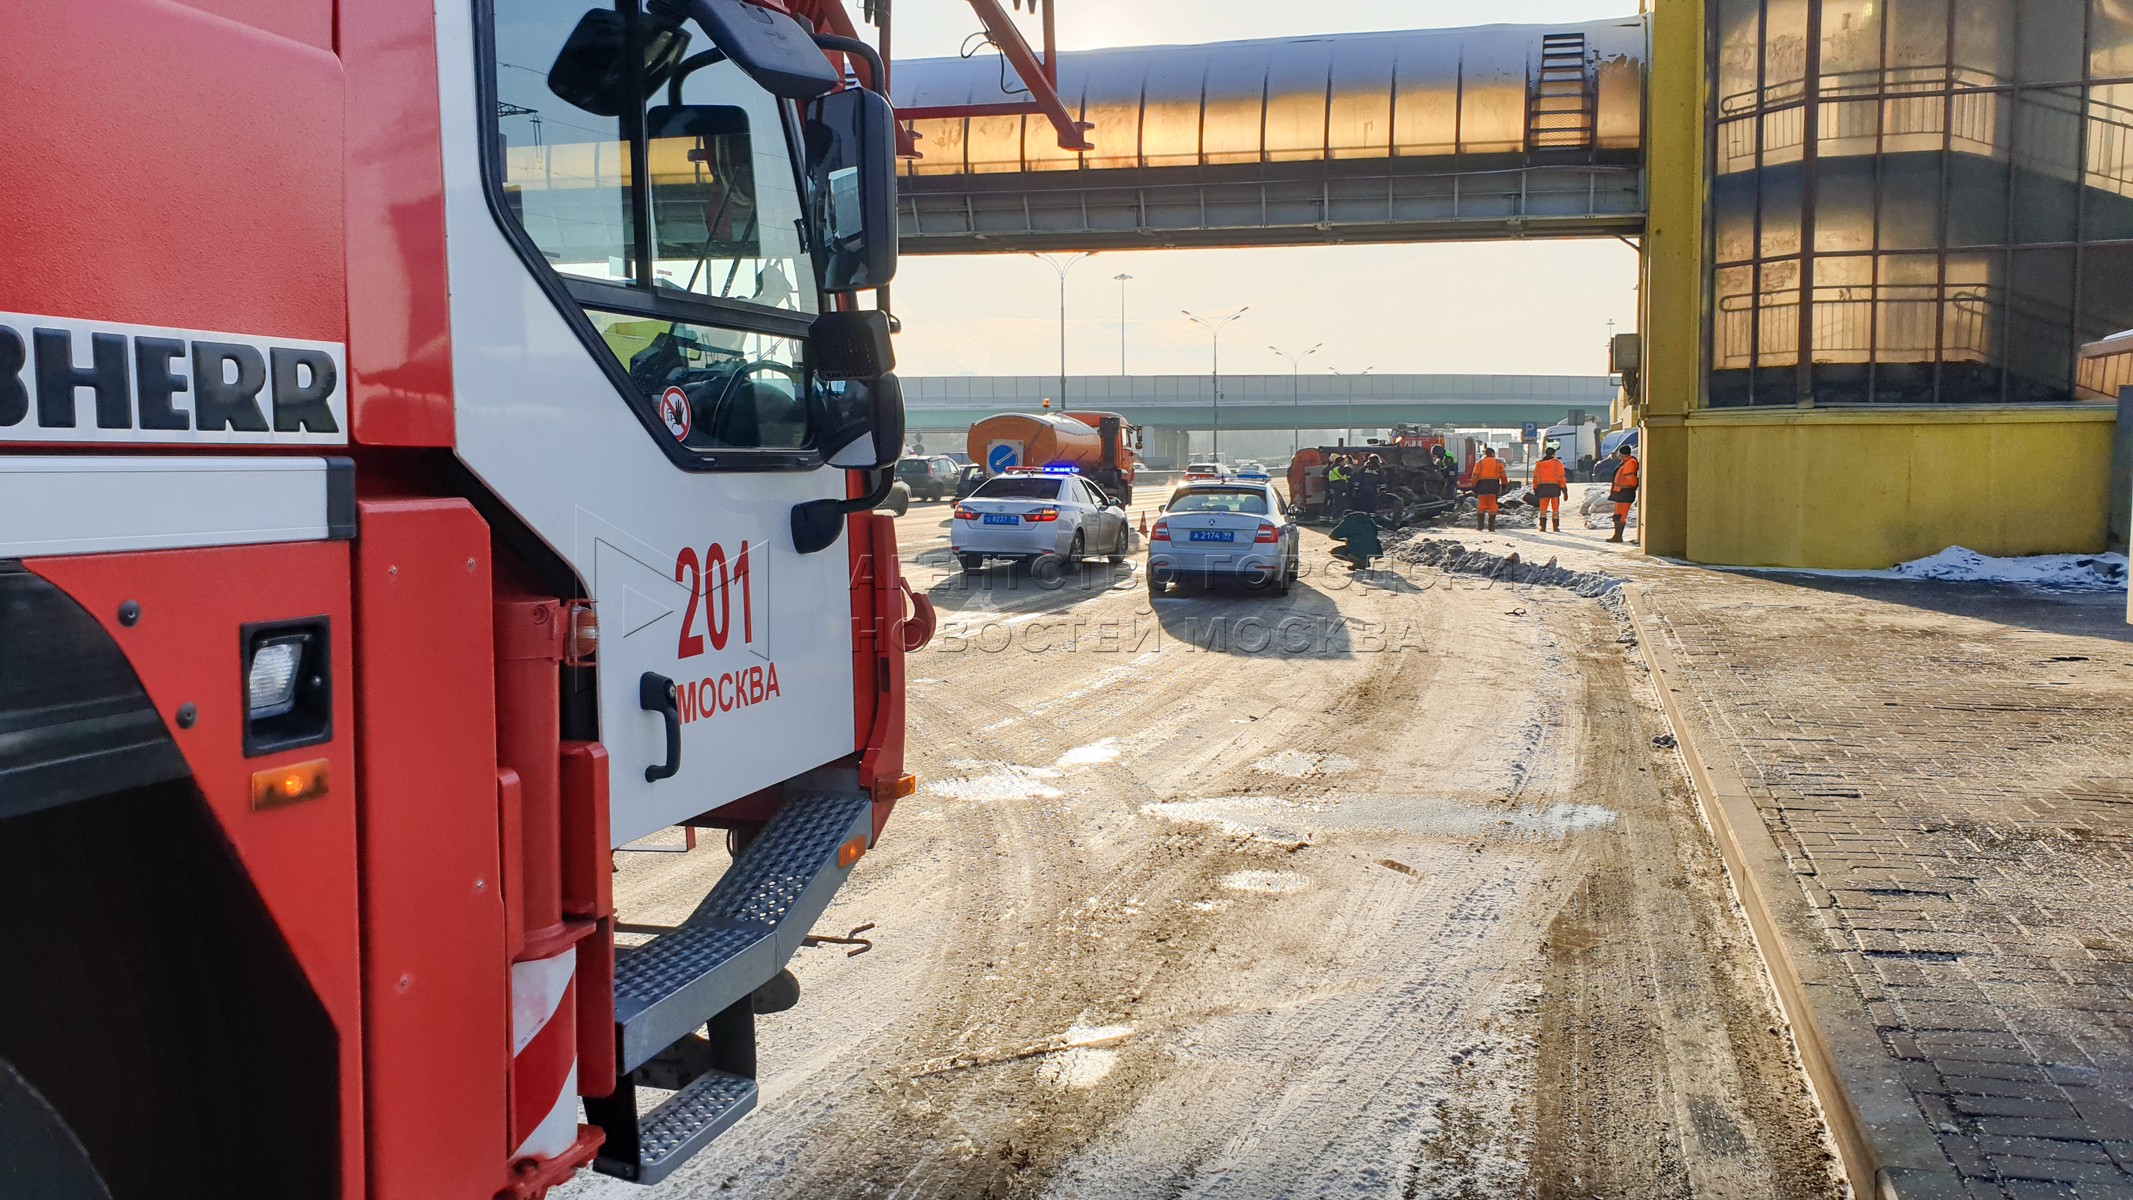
(1249,402)
(1503,131)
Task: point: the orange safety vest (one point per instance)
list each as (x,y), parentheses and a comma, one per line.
(1551,470)
(1491,468)
(1626,474)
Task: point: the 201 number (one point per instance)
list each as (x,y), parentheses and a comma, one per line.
(711,581)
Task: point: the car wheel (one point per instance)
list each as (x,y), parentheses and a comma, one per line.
(1074,550)
(971,562)
(1155,585)
(1280,585)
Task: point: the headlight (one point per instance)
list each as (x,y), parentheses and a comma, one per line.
(287,669)
(270,684)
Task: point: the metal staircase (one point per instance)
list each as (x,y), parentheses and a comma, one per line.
(1562,105)
(700,976)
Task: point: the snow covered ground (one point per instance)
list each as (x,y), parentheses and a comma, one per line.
(2047,572)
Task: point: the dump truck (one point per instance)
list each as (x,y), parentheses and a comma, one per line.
(1100,445)
(397,520)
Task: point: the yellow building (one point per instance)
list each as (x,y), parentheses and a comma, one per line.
(1880,234)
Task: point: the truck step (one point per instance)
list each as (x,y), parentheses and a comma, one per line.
(743,932)
(667,988)
(684,1123)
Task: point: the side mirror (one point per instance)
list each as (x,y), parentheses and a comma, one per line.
(865,430)
(770,46)
(862,429)
(592,70)
(851,184)
(851,345)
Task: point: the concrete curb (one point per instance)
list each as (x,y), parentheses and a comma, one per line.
(1887,1149)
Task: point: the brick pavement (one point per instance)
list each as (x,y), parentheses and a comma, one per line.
(1948,771)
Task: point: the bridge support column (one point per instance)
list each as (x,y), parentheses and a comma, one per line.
(1674,268)
(1166,447)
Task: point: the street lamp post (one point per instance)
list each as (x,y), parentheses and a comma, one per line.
(1214,328)
(1351,400)
(1062,266)
(1296,393)
(1122,277)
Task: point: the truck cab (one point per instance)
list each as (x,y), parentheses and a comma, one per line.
(440,443)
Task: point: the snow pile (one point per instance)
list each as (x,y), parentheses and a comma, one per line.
(1599,511)
(1451,556)
(2058,572)
(1518,510)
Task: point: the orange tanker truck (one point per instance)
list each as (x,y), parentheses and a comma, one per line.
(1099,445)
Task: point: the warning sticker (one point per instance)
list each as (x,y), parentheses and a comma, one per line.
(675,413)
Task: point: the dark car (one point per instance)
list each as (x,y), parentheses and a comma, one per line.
(967,479)
(932,477)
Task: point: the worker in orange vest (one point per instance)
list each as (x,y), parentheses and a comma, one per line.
(1625,488)
(1489,478)
(1551,482)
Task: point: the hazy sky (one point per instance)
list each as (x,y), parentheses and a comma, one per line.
(1504,307)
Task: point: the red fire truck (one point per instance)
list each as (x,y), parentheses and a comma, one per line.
(438,444)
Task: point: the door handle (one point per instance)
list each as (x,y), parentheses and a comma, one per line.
(655,693)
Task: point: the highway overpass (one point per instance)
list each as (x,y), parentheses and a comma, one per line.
(1248,402)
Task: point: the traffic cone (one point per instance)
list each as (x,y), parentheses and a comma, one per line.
(1144,524)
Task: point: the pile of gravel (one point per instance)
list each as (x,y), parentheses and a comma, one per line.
(1447,555)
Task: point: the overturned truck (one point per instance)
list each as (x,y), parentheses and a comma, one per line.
(1414,487)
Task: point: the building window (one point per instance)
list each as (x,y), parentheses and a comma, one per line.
(1915,201)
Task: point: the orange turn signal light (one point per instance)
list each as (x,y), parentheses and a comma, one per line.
(289,785)
(582,640)
(895,789)
(849,853)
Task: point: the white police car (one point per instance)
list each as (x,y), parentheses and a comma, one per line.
(1028,515)
(1224,529)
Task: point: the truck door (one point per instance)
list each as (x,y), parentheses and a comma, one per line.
(630,295)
